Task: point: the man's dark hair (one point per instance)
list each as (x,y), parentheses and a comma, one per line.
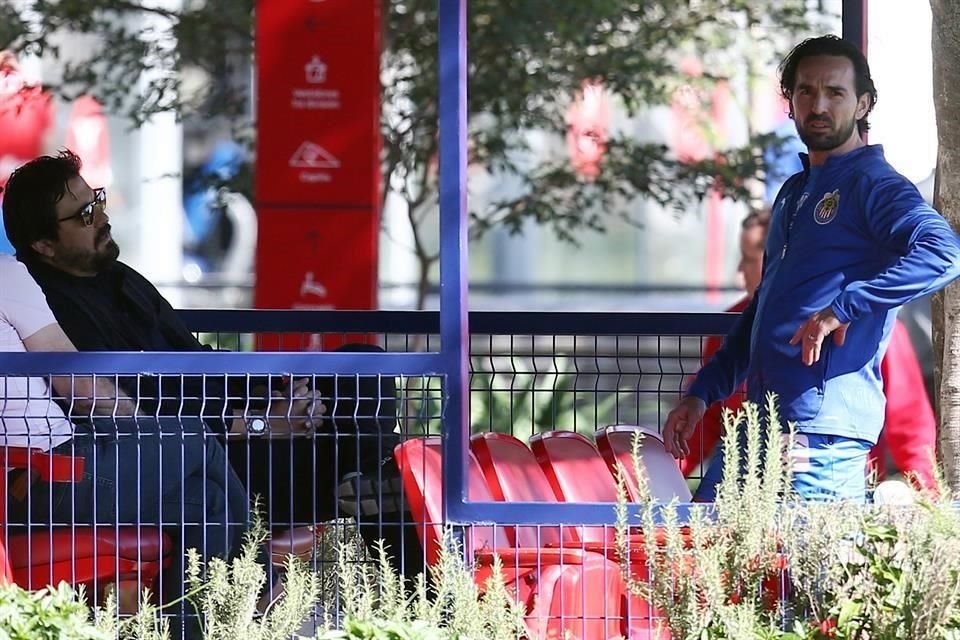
(31,196)
(829,45)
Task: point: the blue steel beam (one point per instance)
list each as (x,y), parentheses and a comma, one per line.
(454,332)
(218,363)
(524,323)
(566,323)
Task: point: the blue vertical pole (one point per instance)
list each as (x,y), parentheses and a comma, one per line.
(454,334)
(854,18)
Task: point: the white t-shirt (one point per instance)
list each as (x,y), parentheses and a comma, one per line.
(28,415)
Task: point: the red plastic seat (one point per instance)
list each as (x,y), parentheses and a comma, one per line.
(566,592)
(128,556)
(565,466)
(576,473)
(665,479)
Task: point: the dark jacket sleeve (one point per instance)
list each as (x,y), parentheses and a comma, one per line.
(93,325)
(205,396)
(709,430)
(727,369)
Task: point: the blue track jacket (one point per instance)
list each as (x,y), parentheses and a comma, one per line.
(857,238)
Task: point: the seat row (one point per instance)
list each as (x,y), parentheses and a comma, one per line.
(567,578)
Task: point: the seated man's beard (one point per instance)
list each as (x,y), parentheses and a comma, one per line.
(106,256)
(86,260)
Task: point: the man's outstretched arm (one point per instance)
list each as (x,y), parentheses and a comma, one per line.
(88,394)
(716,381)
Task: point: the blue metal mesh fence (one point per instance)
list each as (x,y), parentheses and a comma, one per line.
(129,480)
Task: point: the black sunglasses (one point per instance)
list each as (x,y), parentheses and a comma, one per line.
(87,211)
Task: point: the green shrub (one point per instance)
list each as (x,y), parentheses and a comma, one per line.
(853,572)
(54,613)
(227,598)
(378,629)
(376,602)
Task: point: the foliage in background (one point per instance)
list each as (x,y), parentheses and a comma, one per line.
(528,60)
(140,58)
(527,402)
(760,566)
(517,400)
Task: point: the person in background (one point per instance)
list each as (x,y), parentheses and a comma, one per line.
(169,473)
(909,432)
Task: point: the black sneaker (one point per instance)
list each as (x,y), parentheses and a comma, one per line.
(374,493)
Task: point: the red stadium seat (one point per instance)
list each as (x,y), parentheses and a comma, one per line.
(565,466)
(129,557)
(665,479)
(566,592)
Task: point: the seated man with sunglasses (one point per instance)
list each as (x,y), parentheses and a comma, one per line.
(170,473)
(61,231)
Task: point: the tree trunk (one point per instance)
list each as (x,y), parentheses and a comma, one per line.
(946,306)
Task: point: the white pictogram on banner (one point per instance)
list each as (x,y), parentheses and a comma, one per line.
(310,286)
(310,155)
(316,70)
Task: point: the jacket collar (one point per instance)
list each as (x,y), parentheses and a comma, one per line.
(846,159)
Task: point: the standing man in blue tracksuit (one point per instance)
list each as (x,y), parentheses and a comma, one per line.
(850,241)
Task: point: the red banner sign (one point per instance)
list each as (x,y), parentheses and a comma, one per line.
(318,91)
(311,264)
(318,157)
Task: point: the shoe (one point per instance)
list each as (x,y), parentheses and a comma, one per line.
(373,493)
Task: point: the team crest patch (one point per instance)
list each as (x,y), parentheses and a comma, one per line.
(826,209)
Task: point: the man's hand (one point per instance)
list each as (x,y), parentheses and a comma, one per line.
(680,425)
(296,409)
(813,332)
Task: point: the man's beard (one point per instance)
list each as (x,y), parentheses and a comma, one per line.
(824,140)
(91,261)
(106,256)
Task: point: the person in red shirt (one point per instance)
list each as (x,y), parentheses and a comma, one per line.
(909,433)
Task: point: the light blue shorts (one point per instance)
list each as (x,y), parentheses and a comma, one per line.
(825,468)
